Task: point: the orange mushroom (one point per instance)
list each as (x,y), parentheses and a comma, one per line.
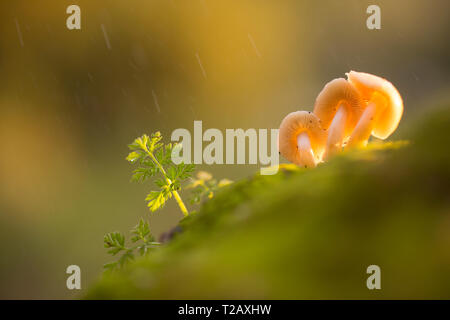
(383,110)
(301,138)
(339,105)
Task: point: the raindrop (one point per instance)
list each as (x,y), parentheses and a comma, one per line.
(201,66)
(254,45)
(156,101)
(108,45)
(19,33)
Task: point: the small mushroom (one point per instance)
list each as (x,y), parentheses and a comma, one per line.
(339,105)
(384,108)
(301,138)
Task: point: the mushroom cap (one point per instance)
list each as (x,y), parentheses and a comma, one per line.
(294,124)
(380,91)
(339,92)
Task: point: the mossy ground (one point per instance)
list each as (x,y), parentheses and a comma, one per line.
(306,233)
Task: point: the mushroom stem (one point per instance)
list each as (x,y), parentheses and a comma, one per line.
(336,132)
(305,151)
(364,127)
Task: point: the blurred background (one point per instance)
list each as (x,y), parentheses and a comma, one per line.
(71,101)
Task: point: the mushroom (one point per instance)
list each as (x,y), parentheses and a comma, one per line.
(339,105)
(301,138)
(383,110)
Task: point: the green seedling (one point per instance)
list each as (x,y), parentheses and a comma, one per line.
(115,243)
(153,158)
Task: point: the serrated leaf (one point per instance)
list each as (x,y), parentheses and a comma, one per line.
(172,173)
(126,257)
(133,156)
(142,174)
(114,250)
(141,142)
(164,155)
(141,231)
(160,183)
(157,202)
(186,171)
(133,146)
(155,142)
(110,266)
(114,240)
(152,195)
(120,239)
(157,199)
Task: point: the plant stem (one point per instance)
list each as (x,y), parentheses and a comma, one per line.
(175,193)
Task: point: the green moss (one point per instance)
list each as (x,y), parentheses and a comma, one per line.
(306,233)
